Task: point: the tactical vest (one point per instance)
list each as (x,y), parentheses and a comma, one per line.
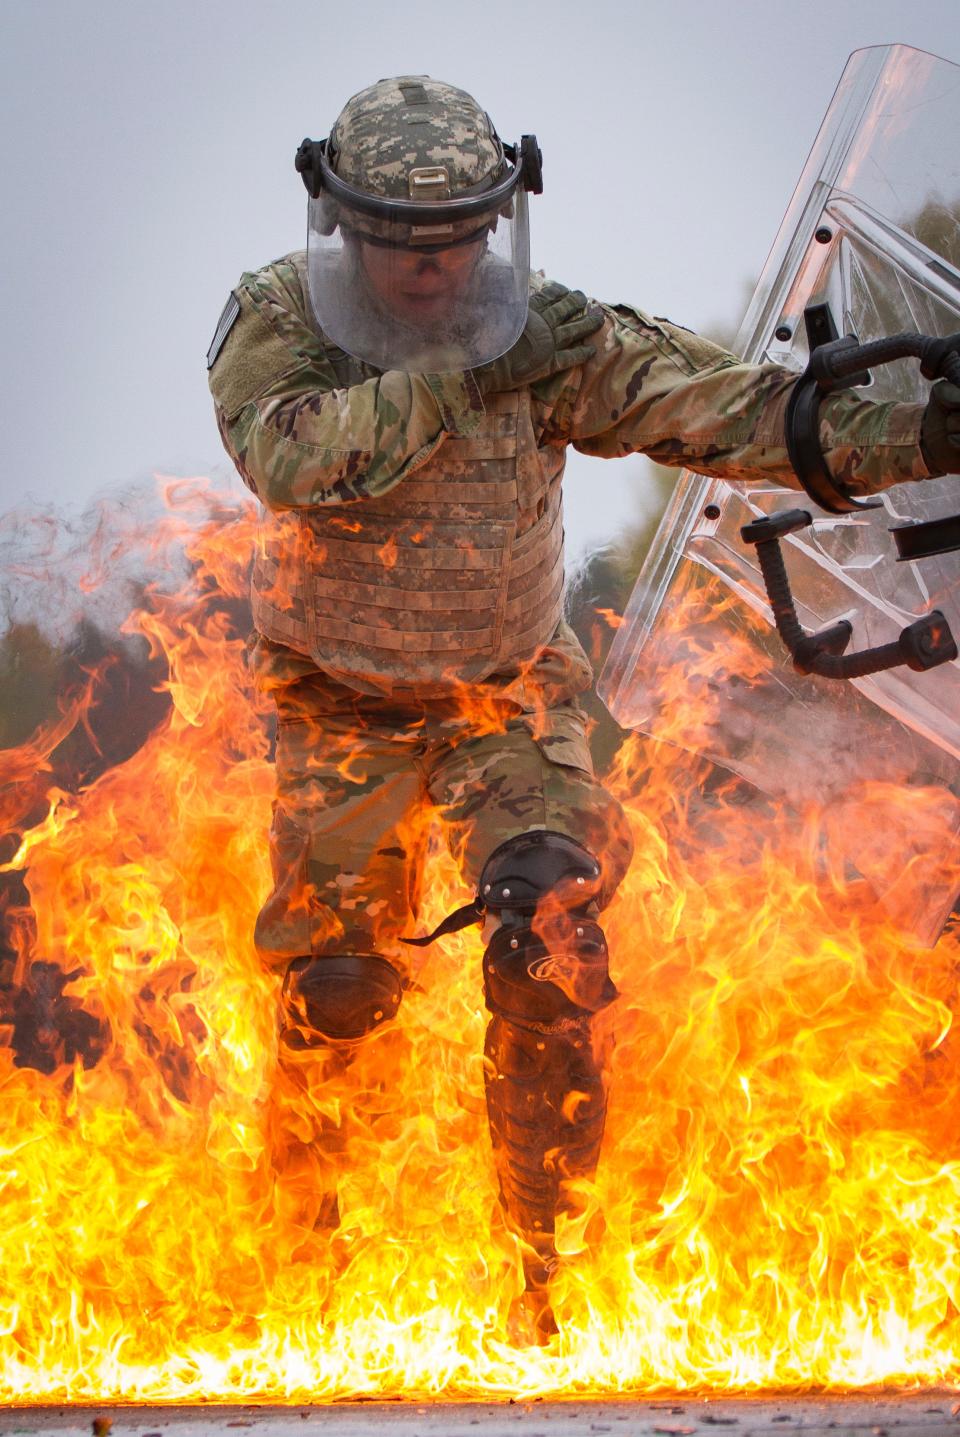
(455,574)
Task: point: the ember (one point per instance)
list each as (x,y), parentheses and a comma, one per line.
(779,1195)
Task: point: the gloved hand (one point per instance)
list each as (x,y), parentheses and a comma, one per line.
(557,323)
(940,430)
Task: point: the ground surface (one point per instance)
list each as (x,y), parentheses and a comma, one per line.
(913,1415)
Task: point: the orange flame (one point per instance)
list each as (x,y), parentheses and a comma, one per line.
(388,553)
(779,1195)
(611,618)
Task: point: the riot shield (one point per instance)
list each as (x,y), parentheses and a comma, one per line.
(873,229)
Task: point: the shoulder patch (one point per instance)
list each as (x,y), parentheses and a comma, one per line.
(253,358)
(225,323)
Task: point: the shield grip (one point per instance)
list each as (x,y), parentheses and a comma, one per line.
(922,645)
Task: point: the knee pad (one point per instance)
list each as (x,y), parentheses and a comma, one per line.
(557,976)
(526,869)
(553,988)
(341,995)
(519,874)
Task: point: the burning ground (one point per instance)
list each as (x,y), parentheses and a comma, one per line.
(779,1196)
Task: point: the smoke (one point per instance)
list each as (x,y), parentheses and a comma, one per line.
(66,571)
(82,687)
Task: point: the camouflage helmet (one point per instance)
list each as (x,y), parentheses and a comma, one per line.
(418,241)
(391,138)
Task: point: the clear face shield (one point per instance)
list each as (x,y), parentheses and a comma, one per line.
(425,284)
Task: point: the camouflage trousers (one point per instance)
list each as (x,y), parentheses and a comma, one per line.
(358,780)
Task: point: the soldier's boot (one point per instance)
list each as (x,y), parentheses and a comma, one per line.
(329,1004)
(545,977)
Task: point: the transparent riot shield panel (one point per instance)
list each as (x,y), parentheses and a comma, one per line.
(874,229)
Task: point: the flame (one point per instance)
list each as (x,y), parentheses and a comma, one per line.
(779,1195)
(388,553)
(611,618)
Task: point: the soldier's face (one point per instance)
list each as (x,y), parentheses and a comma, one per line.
(420,287)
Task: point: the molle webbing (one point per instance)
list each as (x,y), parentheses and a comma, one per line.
(453,573)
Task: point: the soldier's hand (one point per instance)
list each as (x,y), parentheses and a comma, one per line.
(940,430)
(558,322)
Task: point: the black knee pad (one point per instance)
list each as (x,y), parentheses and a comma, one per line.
(527,868)
(548,988)
(341,995)
(558,974)
(522,871)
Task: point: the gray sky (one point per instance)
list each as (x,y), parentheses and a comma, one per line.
(147,154)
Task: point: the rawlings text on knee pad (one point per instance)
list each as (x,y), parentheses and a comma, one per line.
(341,995)
(545,969)
(549,989)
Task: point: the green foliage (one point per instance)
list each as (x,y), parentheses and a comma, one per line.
(937,226)
(30,676)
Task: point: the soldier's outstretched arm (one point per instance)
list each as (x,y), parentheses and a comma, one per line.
(296,438)
(656,388)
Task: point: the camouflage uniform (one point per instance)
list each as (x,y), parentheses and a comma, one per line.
(312,430)
(315,435)
(352,773)
(408,603)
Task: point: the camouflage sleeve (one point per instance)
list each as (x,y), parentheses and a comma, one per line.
(658,389)
(299,440)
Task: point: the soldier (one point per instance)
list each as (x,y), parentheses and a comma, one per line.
(400,398)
